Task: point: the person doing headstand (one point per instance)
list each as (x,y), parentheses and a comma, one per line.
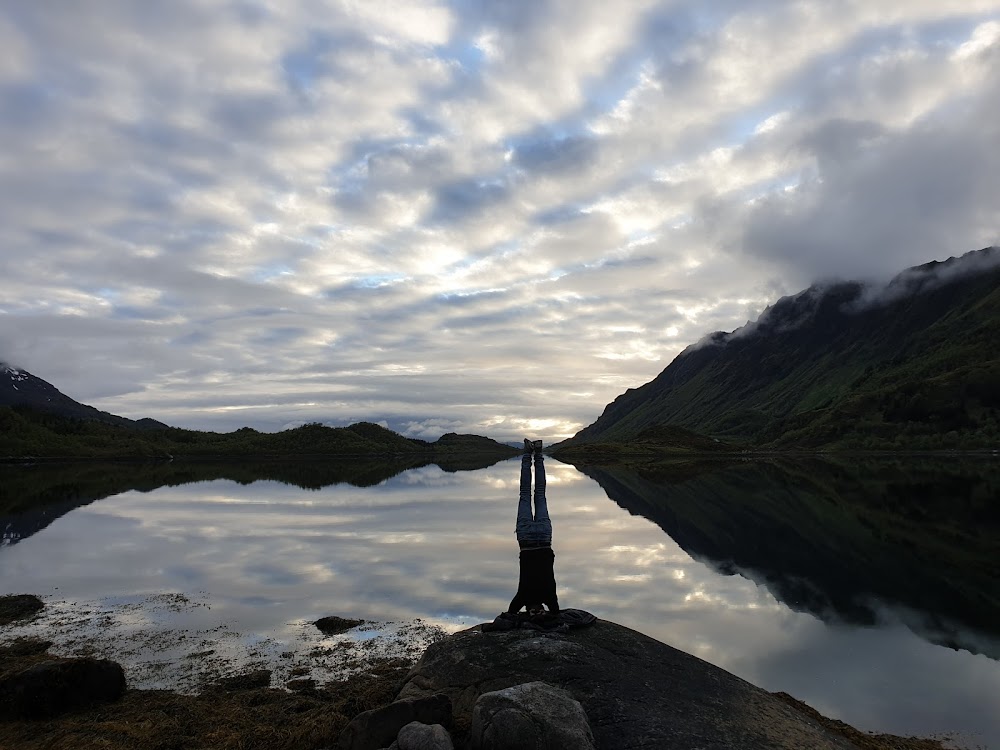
(537,583)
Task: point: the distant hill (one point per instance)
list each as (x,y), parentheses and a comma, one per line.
(913,364)
(38,421)
(21,388)
(26,432)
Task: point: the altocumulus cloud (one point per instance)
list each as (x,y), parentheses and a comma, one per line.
(488,217)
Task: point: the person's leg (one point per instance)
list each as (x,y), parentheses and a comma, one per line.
(524,500)
(541,505)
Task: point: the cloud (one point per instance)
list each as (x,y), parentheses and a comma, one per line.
(920,193)
(494,215)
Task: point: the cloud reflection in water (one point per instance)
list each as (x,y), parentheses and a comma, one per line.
(440,546)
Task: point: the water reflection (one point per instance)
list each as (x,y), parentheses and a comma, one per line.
(836,541)
(429,543)
(33,496)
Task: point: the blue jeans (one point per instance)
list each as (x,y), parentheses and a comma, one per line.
(533,530)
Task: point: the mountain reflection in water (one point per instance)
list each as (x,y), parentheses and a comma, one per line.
(839,541)
(34,495)
(849,574)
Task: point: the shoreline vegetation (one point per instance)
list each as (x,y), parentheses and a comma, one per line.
(243,710)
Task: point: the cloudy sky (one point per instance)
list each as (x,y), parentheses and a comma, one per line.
(487,217)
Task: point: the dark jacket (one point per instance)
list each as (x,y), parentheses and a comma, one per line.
(537,583)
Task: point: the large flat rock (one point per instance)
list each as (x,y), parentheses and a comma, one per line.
(636,691)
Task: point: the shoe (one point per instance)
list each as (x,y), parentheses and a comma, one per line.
(528,446)
(536,445)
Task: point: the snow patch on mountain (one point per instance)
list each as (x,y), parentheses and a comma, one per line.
(16,375)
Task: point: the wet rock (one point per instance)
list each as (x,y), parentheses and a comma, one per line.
(18,607)
(379,727)
(333,625)
(529,717)
(417,736)
(305,684)
(635,691)
(52,687)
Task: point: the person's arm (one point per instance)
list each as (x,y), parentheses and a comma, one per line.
(516,603)
(553,603)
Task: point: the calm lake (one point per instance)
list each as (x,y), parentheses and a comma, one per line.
(867,588)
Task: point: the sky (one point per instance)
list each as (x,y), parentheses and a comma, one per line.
(462,217)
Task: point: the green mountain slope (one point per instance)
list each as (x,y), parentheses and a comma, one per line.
(912,365)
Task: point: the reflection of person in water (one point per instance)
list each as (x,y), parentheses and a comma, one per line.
(537,583)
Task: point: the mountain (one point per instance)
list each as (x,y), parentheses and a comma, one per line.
(21,388)
(911,364)
(38,421)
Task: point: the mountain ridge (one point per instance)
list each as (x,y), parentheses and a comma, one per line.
(18,387)
(841,364)
(39,421)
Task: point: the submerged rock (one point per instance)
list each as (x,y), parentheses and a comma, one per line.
(55,686)
(635,691)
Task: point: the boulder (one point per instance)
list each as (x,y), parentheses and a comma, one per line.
(417,736)
(52,687)
(533,716)
(15,607)
(333,625)
(635,691)
(379,727)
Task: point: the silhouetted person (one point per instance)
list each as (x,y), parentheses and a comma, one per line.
(537,583)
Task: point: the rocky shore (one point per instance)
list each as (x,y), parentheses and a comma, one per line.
(599,686)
